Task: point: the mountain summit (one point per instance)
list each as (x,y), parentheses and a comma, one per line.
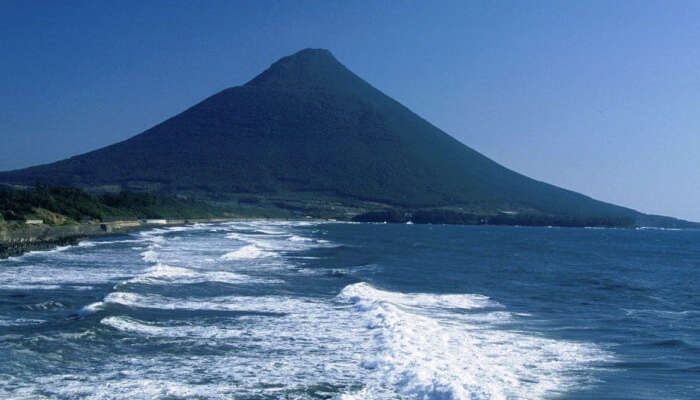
(309,128)
(310,68)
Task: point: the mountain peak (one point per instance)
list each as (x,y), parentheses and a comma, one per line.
(309,131)
(309,53)
(308,68)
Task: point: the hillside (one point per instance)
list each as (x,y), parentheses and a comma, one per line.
(68,206)
(308,128)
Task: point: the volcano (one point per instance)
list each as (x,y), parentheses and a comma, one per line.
(307,126)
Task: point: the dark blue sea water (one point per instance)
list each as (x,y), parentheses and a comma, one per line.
(302,310)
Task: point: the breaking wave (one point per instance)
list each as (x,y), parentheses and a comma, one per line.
(166,274)
(246,252)
(360,342)
(130,325)
(430,349)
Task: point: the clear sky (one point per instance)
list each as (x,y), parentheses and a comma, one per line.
(598,97)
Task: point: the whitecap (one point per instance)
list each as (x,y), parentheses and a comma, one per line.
(246,252)
(166,274)
(150,256)
(20,286)
(92,308)
(263,304)
(427,353)
(131,325)
(51,276)
(364,294)
(5,321)
(295,238)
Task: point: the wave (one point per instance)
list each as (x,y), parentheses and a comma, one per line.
(20,286)
(91,308)
(276,240)
(295,238)
(57,249)
(237,236)
(91,243)
(364,295)
(130,325)
(156,242)
(150,256)
(166,274)
(250,251)
(656,228)
(270,231)
(429,350)
(387,343)
(49,305)
(54,275)
(7,322)
(254,304)
(125,385)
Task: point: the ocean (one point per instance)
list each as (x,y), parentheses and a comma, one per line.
(316,310)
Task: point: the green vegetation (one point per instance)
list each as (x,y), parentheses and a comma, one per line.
(61,205)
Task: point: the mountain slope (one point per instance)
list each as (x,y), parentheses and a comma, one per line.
(309,125)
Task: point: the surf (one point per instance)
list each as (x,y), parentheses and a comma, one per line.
(430,349)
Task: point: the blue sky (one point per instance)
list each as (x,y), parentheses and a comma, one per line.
(598,97)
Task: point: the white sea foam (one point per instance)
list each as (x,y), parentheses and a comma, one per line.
(28,254)
(131,325)
(127,384)
(91,308)
(150,256)
(20,286)
(46,305)
(656,228)
(364,295)
(183,228)
(5,321)
(262,304)
(270,231)
(280,238)
(379,344)
(295,238)
(237,236)
(391,345)
(247,252)
(427,353)
(49,276)
(166,274)
(90,243)
(57,249)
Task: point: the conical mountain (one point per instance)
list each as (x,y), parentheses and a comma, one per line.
(309,125)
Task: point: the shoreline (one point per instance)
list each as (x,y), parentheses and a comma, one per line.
(35,238)
(47,237)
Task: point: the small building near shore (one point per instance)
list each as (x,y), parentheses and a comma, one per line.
(34,222)
(156,221)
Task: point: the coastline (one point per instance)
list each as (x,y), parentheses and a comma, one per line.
(45,237)
(17,242)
